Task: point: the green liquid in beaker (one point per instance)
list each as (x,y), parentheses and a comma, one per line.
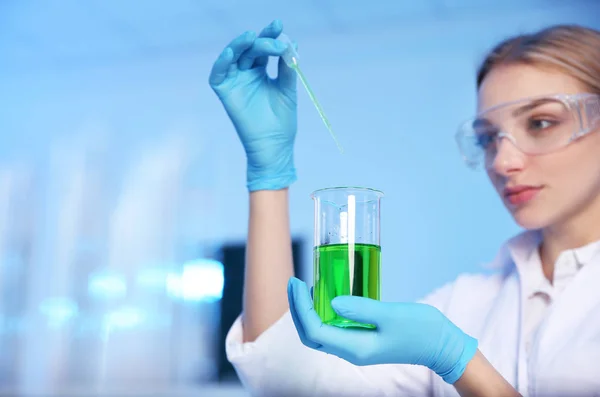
(335,275)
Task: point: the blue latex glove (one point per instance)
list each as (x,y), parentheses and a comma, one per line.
(407,333)
(262,109)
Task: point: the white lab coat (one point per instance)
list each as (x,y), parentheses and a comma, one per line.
(563,358)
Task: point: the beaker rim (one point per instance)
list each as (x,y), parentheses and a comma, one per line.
(350,188)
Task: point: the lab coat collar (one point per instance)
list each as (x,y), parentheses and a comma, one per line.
(523,252)
(517,251)
(520,253)
(523,247)
(587,254)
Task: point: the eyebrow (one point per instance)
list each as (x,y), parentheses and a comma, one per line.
(517,112)
(532,105)
(480,122)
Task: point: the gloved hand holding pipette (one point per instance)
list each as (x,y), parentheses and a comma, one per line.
(262,109)
(407,333)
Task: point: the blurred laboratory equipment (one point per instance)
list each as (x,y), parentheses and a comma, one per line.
(104,287)
(347,248)
(16,228)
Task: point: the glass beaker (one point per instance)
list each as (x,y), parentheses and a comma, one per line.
(347,249)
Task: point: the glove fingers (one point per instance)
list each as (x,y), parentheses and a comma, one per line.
(241,44)
(220,68)
(272,32)
(286,75)
(363,310)
(353,345)
(225,64)
(262,47)
(292,297)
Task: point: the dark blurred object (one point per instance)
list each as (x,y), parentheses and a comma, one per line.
(233,257)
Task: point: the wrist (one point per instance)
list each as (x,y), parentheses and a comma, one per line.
(480,378)
(277,175)
(278,182)
(456,357)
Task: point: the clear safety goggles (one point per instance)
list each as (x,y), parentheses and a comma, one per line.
(535,126)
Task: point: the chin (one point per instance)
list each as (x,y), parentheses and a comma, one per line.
(530,219)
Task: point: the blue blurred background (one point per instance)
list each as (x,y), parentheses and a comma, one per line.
(123,207)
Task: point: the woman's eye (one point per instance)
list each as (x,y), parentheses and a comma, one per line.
(540,124)
(485,139)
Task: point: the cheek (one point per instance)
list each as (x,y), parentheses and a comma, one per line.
(494,178)
(584,156)
(572,169)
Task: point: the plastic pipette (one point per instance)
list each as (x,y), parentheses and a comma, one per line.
(291,58)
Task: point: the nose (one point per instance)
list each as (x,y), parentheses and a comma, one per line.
(507,158)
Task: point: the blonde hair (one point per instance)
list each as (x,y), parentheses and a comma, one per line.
(570,49)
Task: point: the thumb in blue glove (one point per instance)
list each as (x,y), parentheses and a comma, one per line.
(263,110)
(407,333)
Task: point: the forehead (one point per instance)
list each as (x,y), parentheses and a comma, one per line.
(509,83)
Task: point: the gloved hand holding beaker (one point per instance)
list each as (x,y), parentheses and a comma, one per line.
(406,333)
(263,110)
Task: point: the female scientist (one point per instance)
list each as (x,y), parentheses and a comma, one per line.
(532,329)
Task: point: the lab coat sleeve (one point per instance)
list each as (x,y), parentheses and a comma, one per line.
(278,364)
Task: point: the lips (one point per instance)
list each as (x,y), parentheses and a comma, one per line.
(521,194)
